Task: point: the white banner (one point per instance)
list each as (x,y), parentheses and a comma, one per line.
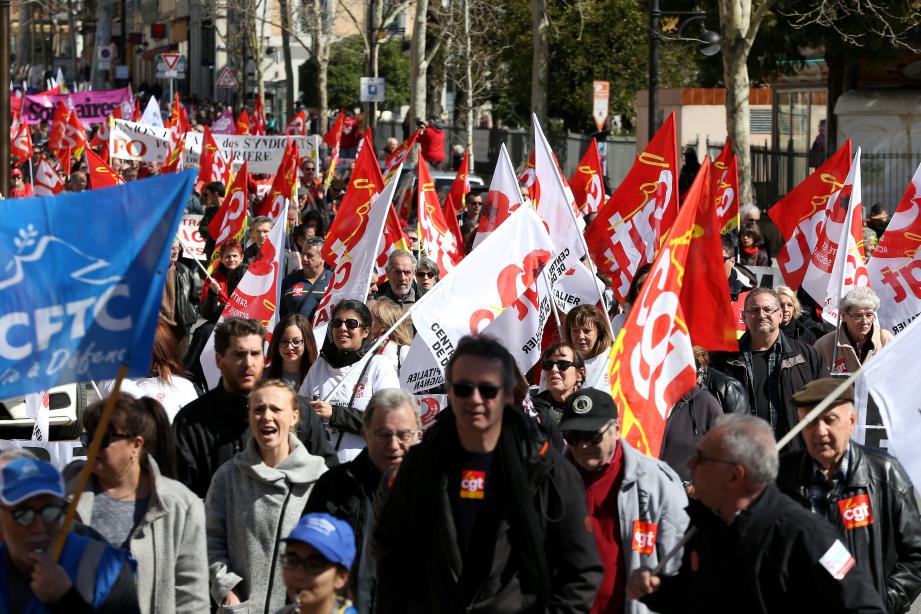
(193,245)
(263,154)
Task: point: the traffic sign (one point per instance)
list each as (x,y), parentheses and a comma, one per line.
(372,89)
(170,59)
(227,80)
(600,103)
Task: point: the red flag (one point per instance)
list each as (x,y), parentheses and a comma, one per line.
(284,185)
(587,184)
(212,165)
(64,157)
(527,176)
(173,161)
(55,91)
(454,201)
(259,124)
(101,175)
(230,220)
(630,226)
(74,135)
(398,156)
(243,122)
(436,241)
(799,214)
(58,124)
(136,117)
(21,145)
(352,218)
(724,188)
(706,304)
(333,138)
(298,125)
(178,120)
(101,136)
(394,239)
(46,181)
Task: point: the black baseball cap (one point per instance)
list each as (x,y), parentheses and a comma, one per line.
(588,410)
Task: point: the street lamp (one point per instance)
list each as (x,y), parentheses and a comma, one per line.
(709,46)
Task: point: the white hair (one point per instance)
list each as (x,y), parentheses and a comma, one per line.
(387,400)
(400,253)
(749,441)
(859,297)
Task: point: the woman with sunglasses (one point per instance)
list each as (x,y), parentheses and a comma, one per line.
(385,313)
(134,503)
(348,340)
(563,372)
(256,499)
(588,330)
(292,351)
(426,274)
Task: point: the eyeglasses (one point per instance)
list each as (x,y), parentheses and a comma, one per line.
(579,438)
(107,438)
(699,458)
(51,513)
(350,323)
(861,315)
(561,365)
(426,274)
(727,258)
(768,311)
(384,436)
(465,389)
(314,565)
(294,344)
(309,169)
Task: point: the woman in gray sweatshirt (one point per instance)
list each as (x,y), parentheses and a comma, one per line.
(255,500)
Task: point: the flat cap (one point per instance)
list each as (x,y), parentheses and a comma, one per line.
(815,391)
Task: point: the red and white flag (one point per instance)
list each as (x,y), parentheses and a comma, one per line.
(587,181)
(631,225)
(398,156)
(435,240)
(173,162)
(837,263)
(895,268)
(503,197)
(230,220)
(527,177)
(74,135)
(284,185)
(212,164)
(454,201)
(21,145)
(58,125)
(46,182)
(298,125)
(724,189)
(101,175)
(394,239)
(259,123)
(333,138)
(799,213)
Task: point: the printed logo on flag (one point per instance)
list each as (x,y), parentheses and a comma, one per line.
(644,536)
(473,484)
(856,512)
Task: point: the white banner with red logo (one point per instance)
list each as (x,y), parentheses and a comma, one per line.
(503,197)
(193,244)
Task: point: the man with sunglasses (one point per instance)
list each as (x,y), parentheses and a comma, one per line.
(770,365)
(90,575)
(485,515)
(753,549)
(635,502)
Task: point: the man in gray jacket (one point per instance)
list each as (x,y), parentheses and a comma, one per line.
(636,503)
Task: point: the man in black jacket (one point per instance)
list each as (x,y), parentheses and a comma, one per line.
(770,365)
(401,286)
(213,428)
(863,492)
(753,549)
(390,425)
(484,515)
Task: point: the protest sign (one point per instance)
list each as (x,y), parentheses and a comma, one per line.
(193,244)
(92,106)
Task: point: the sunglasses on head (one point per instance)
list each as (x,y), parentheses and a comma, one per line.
(561,365)
(578,438)
(465,389)
(107,438)
(350,323)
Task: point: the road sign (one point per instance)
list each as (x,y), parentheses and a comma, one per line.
(600,103)
(227,80)
(372,89)
(170,59)
(104,56)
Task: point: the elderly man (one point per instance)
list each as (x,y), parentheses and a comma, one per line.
(485,515)
(863,492)
(753,549)
(859,337)
(636,503)
(303,290)
(390,425)
(770,365)
(401,287)
(90,575)
(77,182)
(259,233)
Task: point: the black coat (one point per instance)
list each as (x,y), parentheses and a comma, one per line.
(419,564)
(688,421)
(765,561)
(798,330)
(728,391)
(889,547)
(213,428)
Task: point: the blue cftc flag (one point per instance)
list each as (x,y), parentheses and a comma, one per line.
(81,280)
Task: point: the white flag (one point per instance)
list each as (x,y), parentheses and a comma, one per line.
(46,181)
(503,197)
(38,408)
(152,116)
(899,403)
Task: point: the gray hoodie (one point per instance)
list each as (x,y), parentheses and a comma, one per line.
(250,508)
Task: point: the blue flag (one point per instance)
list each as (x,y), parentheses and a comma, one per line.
(81,281)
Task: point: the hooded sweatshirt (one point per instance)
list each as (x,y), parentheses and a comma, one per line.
(250,508)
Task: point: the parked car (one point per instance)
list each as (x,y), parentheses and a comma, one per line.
(66,420)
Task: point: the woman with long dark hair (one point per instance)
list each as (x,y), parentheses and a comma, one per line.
(292,350)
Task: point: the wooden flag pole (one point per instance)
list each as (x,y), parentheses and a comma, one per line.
(91,454)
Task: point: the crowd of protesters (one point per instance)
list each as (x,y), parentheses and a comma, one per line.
(303,481)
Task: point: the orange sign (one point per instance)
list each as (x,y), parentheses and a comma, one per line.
(600,103)
(473,484)
(856,512)
(644,536)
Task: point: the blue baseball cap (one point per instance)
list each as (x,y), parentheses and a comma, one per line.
(332,537)
(25,478)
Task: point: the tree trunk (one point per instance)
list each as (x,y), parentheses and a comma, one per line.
(103,37)
(735,76)
(289,68)
(418,67)
(540,60)
(468,80)
(321,54)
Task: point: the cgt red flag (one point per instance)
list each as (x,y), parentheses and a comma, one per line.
(587,184)
(398,156)
(435,240)
(230,220)
(178,120)
(454,201)
(259,123)
(173,163)
(630,226)
(101,175)
(212,165)
(705,300)
(21,145)
(333,138)
(724,188)
(284,185)
(58,123)
(243,122)
(298,125)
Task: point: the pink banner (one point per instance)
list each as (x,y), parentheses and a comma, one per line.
(92,107)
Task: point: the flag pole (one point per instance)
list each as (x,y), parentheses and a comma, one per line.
(842,243)
(95,445)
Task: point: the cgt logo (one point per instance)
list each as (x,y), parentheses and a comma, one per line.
(856,512)
(644,536)
(473,484)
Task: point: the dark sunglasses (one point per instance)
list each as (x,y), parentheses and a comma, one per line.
(561,365)
(50,514)
(427,274)
(465,389)
(87,438)
(578,438)
(314,565)
(350,323)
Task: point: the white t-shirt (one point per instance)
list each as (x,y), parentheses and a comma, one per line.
(596,371)
(173,395)
(322,378)
(389,353)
